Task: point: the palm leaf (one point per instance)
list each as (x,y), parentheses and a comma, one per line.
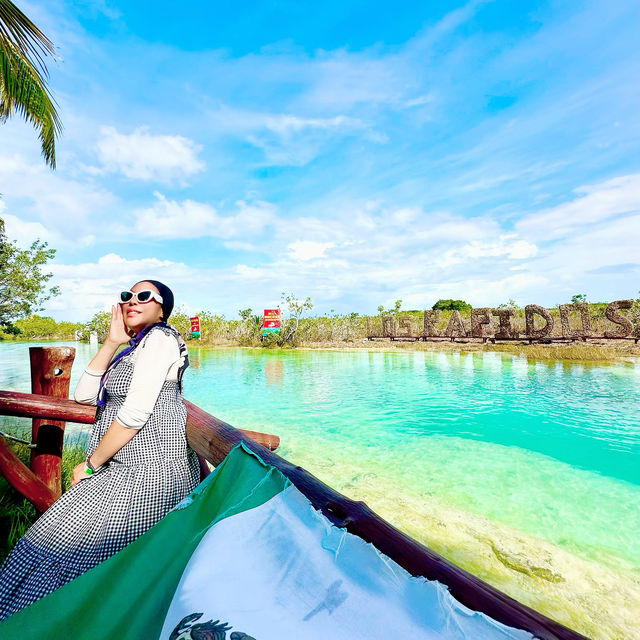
(23,74)
(18,30)
(22,90)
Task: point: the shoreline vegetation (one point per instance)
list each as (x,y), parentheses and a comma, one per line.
(346,332)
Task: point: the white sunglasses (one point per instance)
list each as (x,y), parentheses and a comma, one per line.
(146,295)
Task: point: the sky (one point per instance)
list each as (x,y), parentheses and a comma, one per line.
(353,152)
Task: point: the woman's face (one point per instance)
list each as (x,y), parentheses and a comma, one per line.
(138,315)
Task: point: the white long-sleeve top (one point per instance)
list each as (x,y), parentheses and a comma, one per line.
(155,360)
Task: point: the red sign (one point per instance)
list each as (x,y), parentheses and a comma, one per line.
(271,318)
(272,314)
(271,321)
(195,323)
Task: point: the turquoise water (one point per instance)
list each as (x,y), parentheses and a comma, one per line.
(525,472)
(570,430)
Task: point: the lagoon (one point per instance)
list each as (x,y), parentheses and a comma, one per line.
(525,473)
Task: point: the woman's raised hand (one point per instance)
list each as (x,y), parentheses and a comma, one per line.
(118,335)
(118,332)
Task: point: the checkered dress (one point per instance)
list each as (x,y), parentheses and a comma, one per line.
(105,512)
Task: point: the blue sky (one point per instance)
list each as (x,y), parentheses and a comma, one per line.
(353,152)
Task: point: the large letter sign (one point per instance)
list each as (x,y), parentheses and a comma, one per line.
(538,324)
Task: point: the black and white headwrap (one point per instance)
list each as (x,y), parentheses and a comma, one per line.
(167,298)
(133,344)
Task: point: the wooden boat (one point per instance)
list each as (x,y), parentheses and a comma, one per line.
(212,439)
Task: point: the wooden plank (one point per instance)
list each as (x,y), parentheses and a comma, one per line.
(14,403)
(32,405)
(23,480)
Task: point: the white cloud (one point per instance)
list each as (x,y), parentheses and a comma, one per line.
(308,250)
(23,232)
(172,219)
(101,6)
(287,125)
(245,271)
(364,252)
(236,120)
(594,204)
(348,265)
(486,291)
(595,248)
(240,246)
(508,246)
(189,219)
(143,156)
(419,100)
(67,209)
(285,138)
(87,288)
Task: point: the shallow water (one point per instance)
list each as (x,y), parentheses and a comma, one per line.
(525,473)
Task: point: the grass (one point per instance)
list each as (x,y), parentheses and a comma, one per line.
(17,514)
(600,351)
(573,352)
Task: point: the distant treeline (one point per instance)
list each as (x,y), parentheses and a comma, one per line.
(35,327)
(334,328)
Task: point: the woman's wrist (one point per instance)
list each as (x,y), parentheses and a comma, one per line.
(91,463)
(111,344)
(102,359)
(90,466)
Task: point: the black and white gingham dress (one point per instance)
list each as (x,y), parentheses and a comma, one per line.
(102,514)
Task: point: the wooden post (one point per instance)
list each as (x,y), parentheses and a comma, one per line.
(50,375)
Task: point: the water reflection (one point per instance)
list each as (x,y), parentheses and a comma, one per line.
(273,371)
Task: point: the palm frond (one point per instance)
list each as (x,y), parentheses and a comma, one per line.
(16,29)
(24,91)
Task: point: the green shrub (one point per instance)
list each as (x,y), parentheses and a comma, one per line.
(99,325)
(35,327)
(451,305)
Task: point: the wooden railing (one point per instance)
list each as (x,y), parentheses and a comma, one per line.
(213,439)
(33,483)
(50,408)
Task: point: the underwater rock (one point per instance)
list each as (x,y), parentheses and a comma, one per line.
(519,562)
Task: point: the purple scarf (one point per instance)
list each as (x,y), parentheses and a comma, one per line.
(133,343)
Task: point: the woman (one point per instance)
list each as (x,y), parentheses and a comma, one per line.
(138,466)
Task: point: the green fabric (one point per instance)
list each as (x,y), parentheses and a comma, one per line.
(127,596)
